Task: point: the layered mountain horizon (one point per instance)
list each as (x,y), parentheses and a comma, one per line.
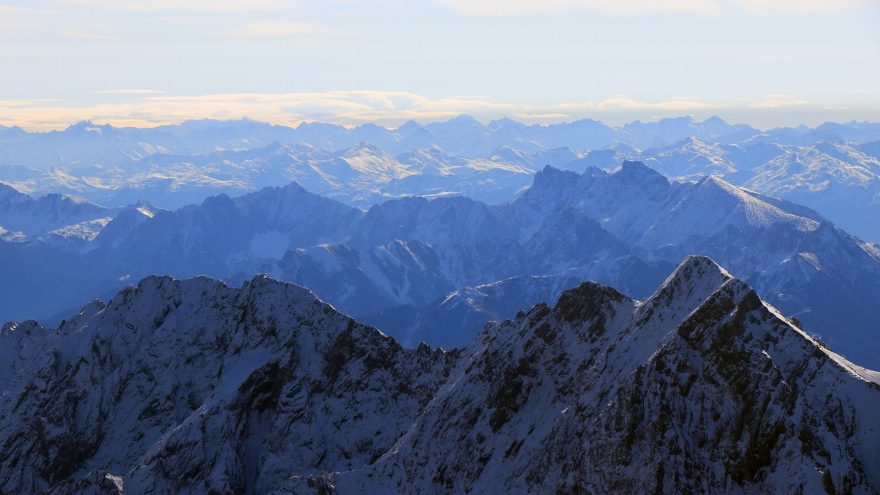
(667,307)
(456,247)
(832,168)
(436,269)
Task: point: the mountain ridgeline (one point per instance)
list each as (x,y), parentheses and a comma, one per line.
(191,386)
(435,270)
(832,168)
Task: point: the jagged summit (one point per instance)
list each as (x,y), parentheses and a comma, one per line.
(599,394)
(192,385)
(696,277)
(553,178)
(636,167)
(639,175)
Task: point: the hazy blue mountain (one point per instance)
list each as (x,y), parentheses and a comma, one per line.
(361,175)
(623,228)
(223,233)
(87,144)
(671,130)
(33,217)
(801,262)
(837,179)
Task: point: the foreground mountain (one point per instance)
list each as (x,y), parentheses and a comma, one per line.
(700,388)
(194,387)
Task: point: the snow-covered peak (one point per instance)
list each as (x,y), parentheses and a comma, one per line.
(693,273)
(713,205)
(693,281)
(191,385)
(597,394)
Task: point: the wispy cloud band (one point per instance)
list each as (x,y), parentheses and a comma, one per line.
(145,107)
(522,7)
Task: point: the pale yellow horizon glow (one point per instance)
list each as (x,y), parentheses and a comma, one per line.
(150,108)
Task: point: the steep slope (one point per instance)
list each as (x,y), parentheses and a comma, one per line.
(838,179)
(711,206)
(626,202)
(380,277)
(192,387)
(700,388)
(224,235)
(690,159)
(370,279)
(441,222)
(456,318)
(33,217)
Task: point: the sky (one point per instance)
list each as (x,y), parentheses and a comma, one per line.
(767,63)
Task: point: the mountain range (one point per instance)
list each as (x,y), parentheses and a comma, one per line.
(191,386)
(436,269)
(832,168)
(87,143)
(450,307)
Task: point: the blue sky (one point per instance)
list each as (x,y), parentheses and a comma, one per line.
(769,63)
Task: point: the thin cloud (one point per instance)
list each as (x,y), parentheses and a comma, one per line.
(815,6)
(178,5)
(278,30)
(540,117)
(89,36)
(129,91)
(681,105)
(145,108)
(521,7)
(779,101)
(525,7)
